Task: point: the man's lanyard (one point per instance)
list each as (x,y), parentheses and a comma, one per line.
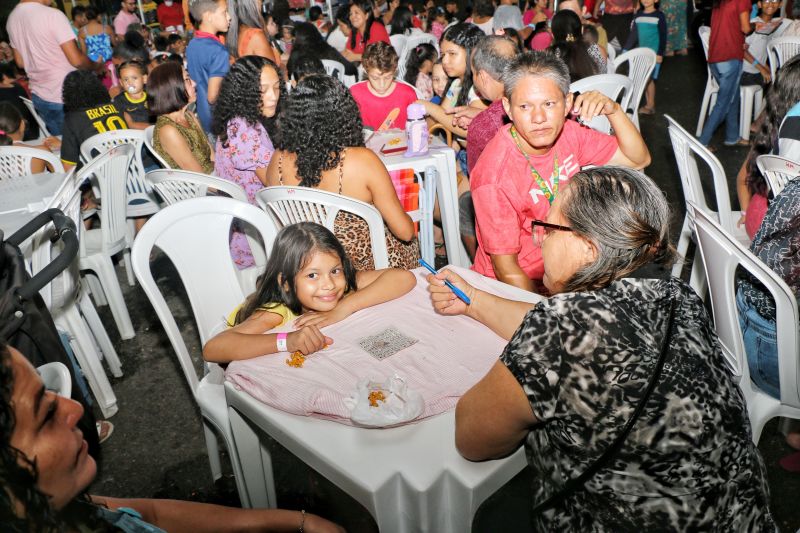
(549,194)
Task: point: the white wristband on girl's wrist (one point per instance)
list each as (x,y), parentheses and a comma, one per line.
(281,342)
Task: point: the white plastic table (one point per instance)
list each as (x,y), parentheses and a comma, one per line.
(29,193)
(410,478)
(442,159)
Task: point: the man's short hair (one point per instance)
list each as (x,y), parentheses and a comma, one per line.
(538,64)
(198,8)
(579,2)
(380,56)
(493,54)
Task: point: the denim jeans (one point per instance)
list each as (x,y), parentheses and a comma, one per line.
(727,74)
(52,113)
(761,347)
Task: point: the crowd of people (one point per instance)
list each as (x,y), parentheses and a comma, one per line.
(238,89)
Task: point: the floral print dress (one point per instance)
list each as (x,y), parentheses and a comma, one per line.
(248,148)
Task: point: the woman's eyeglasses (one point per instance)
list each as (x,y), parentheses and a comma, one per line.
(541,229)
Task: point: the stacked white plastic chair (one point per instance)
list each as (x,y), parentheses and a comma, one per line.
(98,246)
(148,142)
(750,96)
(290,205)
(15,161)
(781,50)
(688,150)
(411,42)
(777,171)
(641,62)
(72,310)
(209,277)
(43,131)
(615,86)
(722,254)
(612,54)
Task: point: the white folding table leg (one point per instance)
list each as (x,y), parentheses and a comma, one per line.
(256,463)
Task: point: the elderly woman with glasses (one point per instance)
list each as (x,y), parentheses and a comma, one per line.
(615,385)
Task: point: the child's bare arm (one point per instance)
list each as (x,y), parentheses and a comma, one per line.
(374,287)
(248,340)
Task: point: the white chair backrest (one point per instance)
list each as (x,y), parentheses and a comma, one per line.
(139,192)
(777,171)
(641,62)
(722,254)
(106,170)
(15,160)
(411,42)
(334,69)
(781,50)
(61,289)
(194,235)
(687,151)
(612,54)
(302,204)
(43,131)
(148,142)
(612,85)
(177,185)
(704,32)
(398,43)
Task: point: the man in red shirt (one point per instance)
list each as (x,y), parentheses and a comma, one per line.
(170,15)
(527,163)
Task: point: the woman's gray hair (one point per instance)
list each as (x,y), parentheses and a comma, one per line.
(246,12)
(539,64)
(625,215)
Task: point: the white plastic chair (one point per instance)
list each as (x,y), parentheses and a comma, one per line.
(641,62)
(777,171)
(615,86)
(416,91)
(334,69)
(750,96)
(781,50)
(398,43)
(98,246)
(177,185)
(148,142)
(194,235)
(141,200)
(43,131)
(302,204)
(15,161)
(722,254)
(71,308)
(612,54)
(687,151)
(56,377)
(411,42)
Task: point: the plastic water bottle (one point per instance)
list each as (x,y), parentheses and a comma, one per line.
(416,131)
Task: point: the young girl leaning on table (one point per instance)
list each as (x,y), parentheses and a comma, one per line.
(309,280)
(12,131)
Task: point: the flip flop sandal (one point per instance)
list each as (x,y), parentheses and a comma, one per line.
(647,111)
(104,430)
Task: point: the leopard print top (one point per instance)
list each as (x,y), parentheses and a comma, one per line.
(353,232)
(583,360)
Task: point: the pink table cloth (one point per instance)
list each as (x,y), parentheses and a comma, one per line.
(451,355)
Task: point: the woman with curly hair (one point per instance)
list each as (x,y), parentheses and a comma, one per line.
(178,136)
(88,110)
(45,470)
(243,123)
(322,146)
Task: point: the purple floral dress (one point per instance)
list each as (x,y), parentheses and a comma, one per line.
(248,148)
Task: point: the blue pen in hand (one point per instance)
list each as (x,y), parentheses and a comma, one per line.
(458,292)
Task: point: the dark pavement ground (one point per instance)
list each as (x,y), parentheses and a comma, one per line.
(158,450)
